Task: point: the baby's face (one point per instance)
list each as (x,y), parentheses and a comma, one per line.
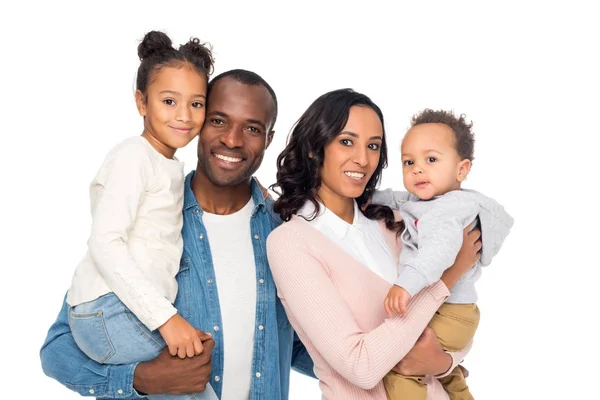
(430,164)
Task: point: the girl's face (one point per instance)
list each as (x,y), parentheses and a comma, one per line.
(352,157)
(174,107)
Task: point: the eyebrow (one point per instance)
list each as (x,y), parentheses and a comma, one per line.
(250,121)
(179,94)
(426,151)
(356,135)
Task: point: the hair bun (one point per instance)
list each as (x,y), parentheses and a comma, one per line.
(154,42)
(202,51)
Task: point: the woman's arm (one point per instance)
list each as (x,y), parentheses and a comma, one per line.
(308,295)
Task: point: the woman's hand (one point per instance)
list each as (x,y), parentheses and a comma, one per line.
(426,357)
(466,258)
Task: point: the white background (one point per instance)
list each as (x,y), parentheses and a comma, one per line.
(525,73)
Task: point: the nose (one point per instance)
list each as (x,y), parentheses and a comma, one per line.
(417,169)
(233,138)
(183,114)
(360,157)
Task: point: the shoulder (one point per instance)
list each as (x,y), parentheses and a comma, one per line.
(132,150)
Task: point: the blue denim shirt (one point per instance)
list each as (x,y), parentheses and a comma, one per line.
(276,346)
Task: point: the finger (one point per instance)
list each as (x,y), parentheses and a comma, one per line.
(190,350)
(173,350)
(386,305)
(396,305)
(181,352)
(403,309)
(474,235)
(204,336)
(198,346)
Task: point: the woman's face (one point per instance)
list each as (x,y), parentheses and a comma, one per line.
(352,157)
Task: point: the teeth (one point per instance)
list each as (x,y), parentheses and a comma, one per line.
(354,175)
(228,159)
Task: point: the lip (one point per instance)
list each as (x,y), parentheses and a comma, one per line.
(181,131)
(421,185)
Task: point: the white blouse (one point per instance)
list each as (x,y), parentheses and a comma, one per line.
(363,239)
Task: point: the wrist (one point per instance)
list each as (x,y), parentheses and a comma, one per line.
(141,378)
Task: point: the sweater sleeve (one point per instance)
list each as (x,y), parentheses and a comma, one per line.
(440,237)
(390,198)
(308,294)
(125,177)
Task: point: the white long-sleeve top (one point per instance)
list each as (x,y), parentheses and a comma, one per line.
(135,245)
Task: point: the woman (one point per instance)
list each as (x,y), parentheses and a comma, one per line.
(333,265)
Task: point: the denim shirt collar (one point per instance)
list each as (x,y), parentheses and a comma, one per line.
(189,199)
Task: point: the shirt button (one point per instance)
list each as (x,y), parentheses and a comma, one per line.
(258,374)
(201,236)
(209,281)
(217,378)
(261,281)
(260,327)
(216,328)
(92,391)
(256,236)
(120,391)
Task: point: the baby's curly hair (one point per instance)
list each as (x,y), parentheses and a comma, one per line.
(464,138)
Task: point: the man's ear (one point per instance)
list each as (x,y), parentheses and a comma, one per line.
(463,169)
(269,139)
(140,102)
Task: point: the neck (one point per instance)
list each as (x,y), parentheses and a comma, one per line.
(343,207)
(220,200)
(162,148)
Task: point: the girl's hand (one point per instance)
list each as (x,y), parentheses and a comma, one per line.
(182,338)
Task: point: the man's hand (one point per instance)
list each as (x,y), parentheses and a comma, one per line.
(167,374)
(426,358)
(396,300)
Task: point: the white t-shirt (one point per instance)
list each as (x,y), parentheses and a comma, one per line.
(363,239)
(135,245)
(230,243)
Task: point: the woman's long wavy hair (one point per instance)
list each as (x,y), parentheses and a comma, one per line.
(299,176)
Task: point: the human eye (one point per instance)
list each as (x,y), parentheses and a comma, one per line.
(253,129)
(431,159)
(346,142)
(407,163)
(374,146)
(217,121)
(169,102)
(197,104)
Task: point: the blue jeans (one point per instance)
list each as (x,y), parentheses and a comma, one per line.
(108,333)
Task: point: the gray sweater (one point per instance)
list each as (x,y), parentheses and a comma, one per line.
(434,234)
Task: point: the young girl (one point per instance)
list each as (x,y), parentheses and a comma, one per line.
(123,290)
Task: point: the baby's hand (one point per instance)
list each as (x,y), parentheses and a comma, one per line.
(396,300)
(181,337)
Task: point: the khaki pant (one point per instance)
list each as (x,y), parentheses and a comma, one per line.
(455,326)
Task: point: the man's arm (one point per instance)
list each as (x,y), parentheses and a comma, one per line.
(63,361)
(301,361)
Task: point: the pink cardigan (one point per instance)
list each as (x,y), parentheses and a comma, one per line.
(335,304)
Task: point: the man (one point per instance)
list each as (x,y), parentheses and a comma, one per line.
(225,285)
